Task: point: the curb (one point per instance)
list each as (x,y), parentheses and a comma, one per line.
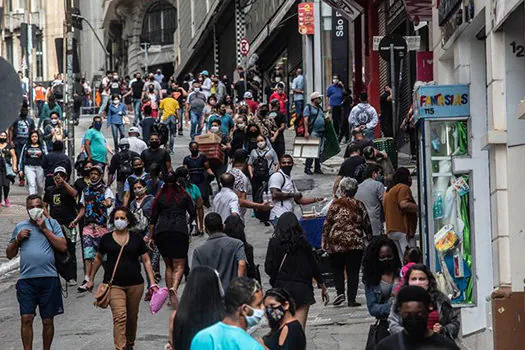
(9,266)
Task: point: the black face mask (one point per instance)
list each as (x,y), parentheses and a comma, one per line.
(194,152)
(386,265)
(287,169)
(3,140)
(263,112)
(415,325)
(138,171)
(86,172)
(154,144)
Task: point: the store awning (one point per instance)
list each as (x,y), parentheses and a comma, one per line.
(419,10)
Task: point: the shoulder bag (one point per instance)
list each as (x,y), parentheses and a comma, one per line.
(272,280)
(102,296)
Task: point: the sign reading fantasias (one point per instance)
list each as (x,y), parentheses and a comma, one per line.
(441,101)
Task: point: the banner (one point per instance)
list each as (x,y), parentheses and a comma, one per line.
(305,18)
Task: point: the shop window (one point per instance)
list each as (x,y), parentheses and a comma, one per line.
(160,22)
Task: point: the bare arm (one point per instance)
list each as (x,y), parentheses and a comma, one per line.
(241,268)
(336,184)
(87,146)
(408,206)
(14,161)
(246,203)
(149,269)
(96,265)
(79,217)
(59,243)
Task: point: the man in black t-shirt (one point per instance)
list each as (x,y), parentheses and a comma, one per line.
(60,203)
(156,155)
(385,103)
(413,303)
(351,167)
(137,86)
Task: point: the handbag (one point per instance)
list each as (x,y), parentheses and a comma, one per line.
(102,295)
(9,173)
(376,333)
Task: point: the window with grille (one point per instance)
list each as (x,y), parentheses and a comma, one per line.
(160,22)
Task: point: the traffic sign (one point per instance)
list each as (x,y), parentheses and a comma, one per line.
(414,42)
(399,44)
(244,46)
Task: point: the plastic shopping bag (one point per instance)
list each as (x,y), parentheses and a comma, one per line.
(158,299)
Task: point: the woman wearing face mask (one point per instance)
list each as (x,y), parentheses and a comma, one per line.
(50,107)
(239,136)
(218,167)
(53,131)
(199,170)
(128,284)
(442,318)
(291,265)
(152,98)
(280,95)
(30,163)
(116,113)
(253,133)
(8,167)
(169,229)
(264,122)
(263,162)
(380,273)
(286,331)
(201,306)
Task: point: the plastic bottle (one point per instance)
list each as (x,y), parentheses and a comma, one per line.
(437,209)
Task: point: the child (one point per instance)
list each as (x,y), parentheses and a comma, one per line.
(411,257)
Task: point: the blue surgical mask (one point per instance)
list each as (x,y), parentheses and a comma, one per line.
(97,125)
(253,321)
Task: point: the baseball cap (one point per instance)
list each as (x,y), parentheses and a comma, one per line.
(205,72)
(248,94)
(123,142)
(315,95)
(134,129)
(60,169)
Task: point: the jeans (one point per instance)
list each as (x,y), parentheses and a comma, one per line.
(124,303)
(369,134)
(181,120)
(171,122)
(117,129)
(402,242)
(35,179)
(136,108)
(299,108)
(40,105)
(352,261)
(196,127)
(103,104)
(309,161)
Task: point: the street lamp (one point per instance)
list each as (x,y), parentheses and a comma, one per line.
(106,53)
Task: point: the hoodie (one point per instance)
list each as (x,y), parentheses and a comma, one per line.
(363,114)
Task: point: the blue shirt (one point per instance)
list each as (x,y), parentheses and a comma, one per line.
(226,122)
(335,94)
(116,113)
(37,256)
(317,114)
(221,336)
(97,146)
(298,84)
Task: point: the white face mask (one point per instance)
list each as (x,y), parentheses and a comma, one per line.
(115,102)
(214,129)
(277,79)
(261,144)
(241,126)
(121,224)
(253,321)
(335,81)
(36,213)
(54,121)
(196,89)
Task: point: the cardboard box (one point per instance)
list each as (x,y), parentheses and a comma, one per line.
(207,139)
(213,152)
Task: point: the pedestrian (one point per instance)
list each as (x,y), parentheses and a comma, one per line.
(291,264)
(147,123)
(138,173)
(228,101)
(18,134)
(277,134)
(170,115)
(266,124)
(239,134)
(226,201)
(210,110)
(40,97)
(243,303)
(95,201)
(60,203)
(386,119)
(116,113)
(156,155)
(381,266)
(314,123)
(159,77)
(151,82)
(234,228)
(8,168)
(37,239)
(202,296)
(219,167)
(95,143)
(401,211)
(199,170)
(442,318)
(248,99)
(151,98)
(280,95)
(359,140)
(30,164)
(298,87)
(53,159)
(169,230)
(53,131)
(345,229)
(137,86)
(352,167)
(122,252)
(370,193)
(413,303)
(183,177)
(412,256)
(283,190)
(206,83)
(225,118)
(364,117)
(336,95)
(286,331)
(135,143)
(195,104)
(49,107)
(120,168)
(252,135)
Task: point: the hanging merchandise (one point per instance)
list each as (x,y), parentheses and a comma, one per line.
(437,209)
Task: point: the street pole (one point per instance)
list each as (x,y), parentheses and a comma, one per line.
(393,85)
(68,100)
(29,56)
(106,53)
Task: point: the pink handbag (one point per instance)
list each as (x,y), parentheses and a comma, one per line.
(158,299)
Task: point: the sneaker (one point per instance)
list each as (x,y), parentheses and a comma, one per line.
(339,299)
(72,282)
(354,304)
(308,172)
(318,171)
(7,203)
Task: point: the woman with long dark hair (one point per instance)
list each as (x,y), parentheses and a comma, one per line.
(291,264)
(286,331)
(400,211)
(8,167)
(201,306)
(234,228)
(169,229)
(183,177)
(30,163)
(443,318)
(380,273)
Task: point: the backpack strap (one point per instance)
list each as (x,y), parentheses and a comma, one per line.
(310,122)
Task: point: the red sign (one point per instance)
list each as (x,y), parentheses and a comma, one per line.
(425,66)
(306,19)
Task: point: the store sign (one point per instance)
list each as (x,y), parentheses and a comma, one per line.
(442,101)
(425,66)
(306,19)
(340,36)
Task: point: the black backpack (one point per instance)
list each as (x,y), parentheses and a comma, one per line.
(260,167)
(125,169)
(161,129)
(58,91)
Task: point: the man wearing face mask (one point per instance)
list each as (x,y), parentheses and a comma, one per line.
(314,122)
(120,166)
(280,95)
(95,143)
(244,312)
(151,81)
(284,192)
(116,113)
(413,303)
(195,104)
(156,155)
(38,284)
(95,201)
(225,118)
(52,160)
(336,96)
(138,173)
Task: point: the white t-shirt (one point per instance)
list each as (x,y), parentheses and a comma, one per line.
(136,145)
(226,203)
(283,182)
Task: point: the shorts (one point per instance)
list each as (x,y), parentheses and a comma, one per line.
(172,245)
(91,236)
(44,292)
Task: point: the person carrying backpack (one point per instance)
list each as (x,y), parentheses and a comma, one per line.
(194,107)
(314,125)
(19,134)
(364,117)
(122,167)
